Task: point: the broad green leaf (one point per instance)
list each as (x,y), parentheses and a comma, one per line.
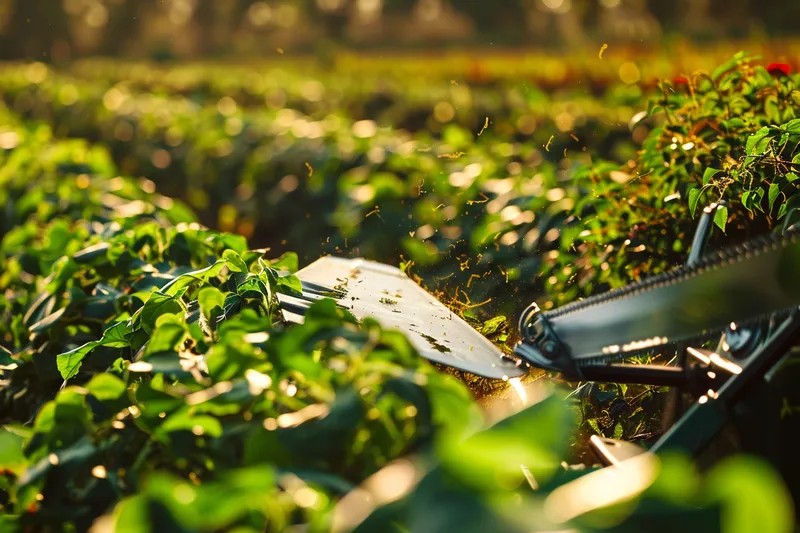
(694,197)
(11,455)
(753,496)
(199,425)
(708,175)
(63,270)
(132,515)
(793,126)
(106,387)
(166,337)
(156,305)
(69,363)
(287,261)
(116,336)
(721,217)
(757,142)
(291,283)
(747,200)
(235,261)
(234,242)
(197,276)
(209,298)
(727,66)
(774,191)
(653,108)
(757,197)
(535,437)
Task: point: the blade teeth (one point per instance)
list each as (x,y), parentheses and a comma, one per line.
(321,290)
(299,304)
(294,307)
(731,255)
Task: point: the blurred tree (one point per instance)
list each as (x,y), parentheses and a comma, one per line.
(126,22)
(33,30)
(45,30)
(495,20)
(334,15)
(398,7)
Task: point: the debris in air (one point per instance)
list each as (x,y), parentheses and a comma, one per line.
(485,125)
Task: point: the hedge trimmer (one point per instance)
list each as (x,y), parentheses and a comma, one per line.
(746,296)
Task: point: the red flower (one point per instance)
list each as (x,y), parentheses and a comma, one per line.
(778,69)
(681,80)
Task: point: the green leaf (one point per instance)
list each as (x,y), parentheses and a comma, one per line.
(63,270)
(156,305)
(708,175)
(210,298)
(106,387)
(747,200)
(116,336)
(197,276)
(492,325)
(752,495)
(791,177)
(757,142)
(793,126)
(287,261)
(782,210)
(199,425)
(757,197)
(726,66)
(88,254)
(11,456)
(48,321)
(774,191)
(694,197)
(234,261)
(166,337)
(69,363)
(721,217)
(772,109)
(291,283)
(7,361)
(653,108)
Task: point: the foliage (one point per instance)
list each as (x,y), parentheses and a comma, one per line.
(148,383)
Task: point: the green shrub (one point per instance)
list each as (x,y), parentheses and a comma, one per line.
(148,382)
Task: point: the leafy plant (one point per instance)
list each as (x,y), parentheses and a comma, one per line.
(149,383)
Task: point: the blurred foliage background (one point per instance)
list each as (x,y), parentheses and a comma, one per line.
(160,160)
(56,30)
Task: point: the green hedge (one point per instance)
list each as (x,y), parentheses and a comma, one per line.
(149,383)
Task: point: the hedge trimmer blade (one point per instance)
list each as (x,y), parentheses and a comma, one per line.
(737,285)
(385,293)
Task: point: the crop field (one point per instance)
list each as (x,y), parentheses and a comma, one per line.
(152,211)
